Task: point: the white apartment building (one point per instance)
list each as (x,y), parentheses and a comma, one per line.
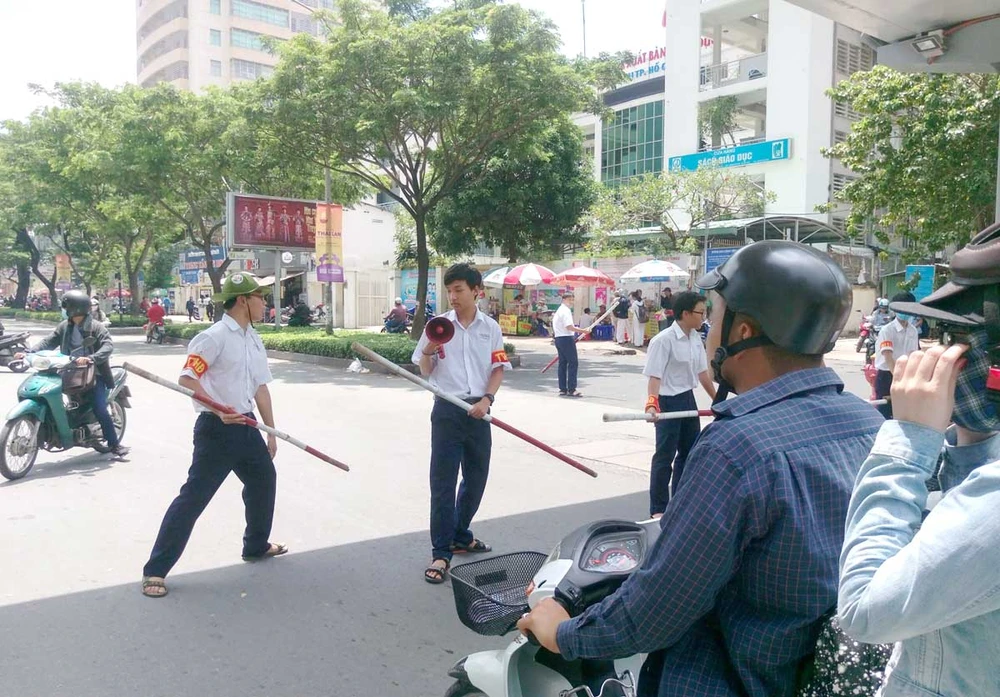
(777,61)
(196,43)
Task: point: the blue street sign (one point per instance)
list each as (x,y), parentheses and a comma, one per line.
(189,277)
(715,258)
(739,156)
(926,284)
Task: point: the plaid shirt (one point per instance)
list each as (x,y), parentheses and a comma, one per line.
(731,595)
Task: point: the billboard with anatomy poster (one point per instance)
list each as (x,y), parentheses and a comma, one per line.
(265,222)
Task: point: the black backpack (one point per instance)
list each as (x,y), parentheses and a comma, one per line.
(621,308)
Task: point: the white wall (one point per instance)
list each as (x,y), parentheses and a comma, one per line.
(800,70)
(683,42)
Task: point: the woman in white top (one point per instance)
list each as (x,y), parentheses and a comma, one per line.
(638,329)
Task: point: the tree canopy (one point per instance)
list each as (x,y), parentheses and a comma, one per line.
(924,151)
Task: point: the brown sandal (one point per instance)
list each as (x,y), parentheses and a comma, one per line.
(151,582)
(435,574)
(274,549)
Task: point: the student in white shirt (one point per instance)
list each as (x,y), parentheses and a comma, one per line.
(226,362)
(472,369)
(638,328)
(897,339)
(675,364)
(565,332)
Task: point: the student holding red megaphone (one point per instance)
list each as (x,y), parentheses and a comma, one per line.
(472,370)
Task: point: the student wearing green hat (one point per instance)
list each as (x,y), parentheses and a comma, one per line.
(226,362)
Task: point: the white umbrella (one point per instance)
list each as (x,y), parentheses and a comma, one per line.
(494,279)
(654,271)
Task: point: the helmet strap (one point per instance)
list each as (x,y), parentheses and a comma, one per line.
(726,351)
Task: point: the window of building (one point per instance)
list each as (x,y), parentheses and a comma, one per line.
(843,109)
(304,24)
(168,13)
(839,137)
(853,58)
(170,42)
(242,38)
(248,70)
(632,143)
(319,4)
(215,37)
(215,7)
(260,12)
(839,182)
(216,68)
(174,71)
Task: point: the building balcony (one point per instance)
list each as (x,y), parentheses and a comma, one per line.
(734,72)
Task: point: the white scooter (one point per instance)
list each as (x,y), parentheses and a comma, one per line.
(588,565)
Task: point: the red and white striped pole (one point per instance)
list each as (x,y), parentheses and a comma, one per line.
(671,415)
(223,409)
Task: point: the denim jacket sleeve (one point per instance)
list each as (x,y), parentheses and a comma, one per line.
(900,578)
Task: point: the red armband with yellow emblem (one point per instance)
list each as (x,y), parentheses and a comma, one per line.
(652,401)
(885,345)
(499,357)
(196,364)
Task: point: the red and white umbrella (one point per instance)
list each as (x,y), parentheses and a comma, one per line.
(583,276)
(528,275)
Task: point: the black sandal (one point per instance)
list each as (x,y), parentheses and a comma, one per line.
(435,574)
(575,393)
(474,547)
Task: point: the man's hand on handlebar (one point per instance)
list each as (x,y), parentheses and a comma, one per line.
(543,623)
(83,360)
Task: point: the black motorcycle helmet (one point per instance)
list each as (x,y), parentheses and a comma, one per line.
(76,303)
(799,296)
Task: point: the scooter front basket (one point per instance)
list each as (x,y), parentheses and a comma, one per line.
(490,594)
(77,379)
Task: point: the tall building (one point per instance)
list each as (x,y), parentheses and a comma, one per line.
(196,43)
(765,66)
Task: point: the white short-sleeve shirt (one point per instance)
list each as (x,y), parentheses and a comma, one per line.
(899,340)
(677,359)
(469,358)
(230,362)
(563,319)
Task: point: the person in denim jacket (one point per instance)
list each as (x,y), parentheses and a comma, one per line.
(933,585)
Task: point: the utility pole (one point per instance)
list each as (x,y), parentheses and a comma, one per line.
(328,291)
(583,6)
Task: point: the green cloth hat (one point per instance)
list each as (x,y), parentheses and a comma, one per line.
(238,284)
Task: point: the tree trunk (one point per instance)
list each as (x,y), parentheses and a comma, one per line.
(23,283)
(423,266)
(24,241)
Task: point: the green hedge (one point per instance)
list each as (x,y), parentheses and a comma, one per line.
(398,348)
(125,321)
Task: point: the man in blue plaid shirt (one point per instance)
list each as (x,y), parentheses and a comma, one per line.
(729,601)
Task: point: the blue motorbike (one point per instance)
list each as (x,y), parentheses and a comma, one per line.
(56,411)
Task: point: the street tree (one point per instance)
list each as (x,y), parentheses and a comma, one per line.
(526,201)
(924,152)
(672,204)
(412,103)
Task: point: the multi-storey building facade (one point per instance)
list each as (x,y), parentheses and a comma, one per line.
(196,43)
(770,64)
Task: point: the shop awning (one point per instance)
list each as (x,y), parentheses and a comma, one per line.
(773,227)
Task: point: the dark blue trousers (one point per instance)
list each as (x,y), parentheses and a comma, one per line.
(568,363)
(218,450)
(883,385)
(101,412)
(457,442)
(674,440)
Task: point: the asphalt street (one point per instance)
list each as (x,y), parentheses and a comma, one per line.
(346,611)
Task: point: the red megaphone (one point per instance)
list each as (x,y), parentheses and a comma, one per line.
(439,330)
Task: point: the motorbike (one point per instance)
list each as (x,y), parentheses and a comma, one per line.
(156,334)
(11,346)
(864,333)
(389,328)
(319,313)
(588,565)
(56,411)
